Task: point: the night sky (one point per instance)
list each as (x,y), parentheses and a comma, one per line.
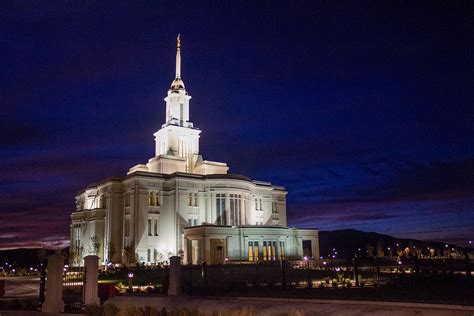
(364,111)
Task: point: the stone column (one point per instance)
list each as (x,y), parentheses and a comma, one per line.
(91,264)
(174,288)
(54,285)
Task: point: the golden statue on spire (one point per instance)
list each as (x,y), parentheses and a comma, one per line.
(178,44)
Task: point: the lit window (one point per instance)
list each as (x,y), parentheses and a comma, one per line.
(195,201)
(253,250)
(250,251)
(156,201)
(265,251)
(150,198)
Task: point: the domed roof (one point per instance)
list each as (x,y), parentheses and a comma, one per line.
(177,84)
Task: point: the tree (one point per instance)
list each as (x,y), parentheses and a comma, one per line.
(111,250)
(94,245)
(130,254)
(370,250)
(380,252)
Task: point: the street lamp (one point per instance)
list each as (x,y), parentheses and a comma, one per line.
(130,280)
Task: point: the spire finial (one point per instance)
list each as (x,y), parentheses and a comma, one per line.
(178,56)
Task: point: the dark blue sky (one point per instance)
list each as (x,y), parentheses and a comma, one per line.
(363,110)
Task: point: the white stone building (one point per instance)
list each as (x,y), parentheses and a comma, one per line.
(180,204)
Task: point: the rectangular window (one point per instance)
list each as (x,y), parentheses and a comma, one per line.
(190,199)
(274,208)
(256,204)
(195,200)
(260,205)
(148,255)
(190,222)
(265,251)
(150,198)
(156,227)
(255,250)
(282,250)
(149,227)
(195,222)
(250,250)
(220,210)
(127,199)
(156,201)
(235,209)
(127,226)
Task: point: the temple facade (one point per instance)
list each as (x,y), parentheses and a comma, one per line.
(180,204)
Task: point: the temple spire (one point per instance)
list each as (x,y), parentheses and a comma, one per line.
(178,83)
(178,57)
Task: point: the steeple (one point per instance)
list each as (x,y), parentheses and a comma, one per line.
(178,57)
(177,83)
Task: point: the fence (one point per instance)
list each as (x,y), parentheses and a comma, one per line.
(334,273)
(74,279)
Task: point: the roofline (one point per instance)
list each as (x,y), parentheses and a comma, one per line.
(184,175)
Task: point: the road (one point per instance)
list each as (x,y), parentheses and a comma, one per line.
(21,287)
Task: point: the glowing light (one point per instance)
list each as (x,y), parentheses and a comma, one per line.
(130,275)
(305,258)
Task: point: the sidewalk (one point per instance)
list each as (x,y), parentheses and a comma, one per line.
(279,306)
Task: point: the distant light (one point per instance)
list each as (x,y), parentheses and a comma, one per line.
(305,258)
(398,245)
(399,262)
(31,269)
(334,256)
(130,274)
(470,242)
(338,269)
(324,262)
(359,249)
(388,248)
(452,249)
(446,246)
(333,249)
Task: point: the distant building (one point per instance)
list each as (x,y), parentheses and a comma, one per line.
(180,204)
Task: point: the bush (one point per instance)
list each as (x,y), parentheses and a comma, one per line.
(109,310)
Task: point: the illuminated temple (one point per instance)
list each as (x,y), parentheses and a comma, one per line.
(178,203)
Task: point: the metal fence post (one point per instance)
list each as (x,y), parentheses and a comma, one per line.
(356,271)
(204,273)
(283,274)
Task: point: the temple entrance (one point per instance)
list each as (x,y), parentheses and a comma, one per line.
(217,251)
(307,249)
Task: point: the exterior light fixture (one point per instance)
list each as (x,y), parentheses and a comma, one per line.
(305,258)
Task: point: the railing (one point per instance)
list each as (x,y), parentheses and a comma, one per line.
(209,279)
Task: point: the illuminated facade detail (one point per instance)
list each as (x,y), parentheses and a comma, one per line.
(180,204)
